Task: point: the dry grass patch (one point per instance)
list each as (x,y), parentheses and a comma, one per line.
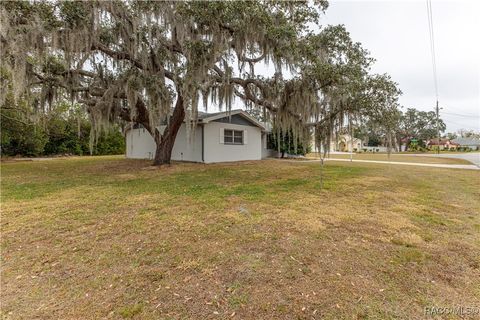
(106,238)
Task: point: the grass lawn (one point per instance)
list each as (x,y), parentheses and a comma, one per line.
(105,237)
(404,157)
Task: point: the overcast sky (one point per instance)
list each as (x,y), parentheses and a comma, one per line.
(396,34)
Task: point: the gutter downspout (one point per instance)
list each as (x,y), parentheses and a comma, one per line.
(203,144)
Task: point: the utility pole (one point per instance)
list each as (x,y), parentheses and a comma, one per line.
(434,64)
(351,136)
(438,130)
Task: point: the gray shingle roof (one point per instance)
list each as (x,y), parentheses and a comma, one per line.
(203,115)
(467,141)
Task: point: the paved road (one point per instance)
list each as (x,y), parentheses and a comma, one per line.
(473,157)
(432,165)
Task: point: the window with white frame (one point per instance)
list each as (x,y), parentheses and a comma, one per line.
(232,136)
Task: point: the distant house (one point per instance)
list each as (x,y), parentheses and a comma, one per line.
(218,137)
(442,144)
(346,143)
(408,143)
(468,143)
(341,143)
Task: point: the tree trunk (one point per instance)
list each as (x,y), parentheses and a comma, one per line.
(399,144)
(407,144)
(165,141)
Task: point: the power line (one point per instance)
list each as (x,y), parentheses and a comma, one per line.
(452,113)
(432,46)
(463,125)
(434,63)
(461,115)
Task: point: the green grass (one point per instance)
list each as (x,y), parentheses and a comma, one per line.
(409,255)
(129,312)
(105,237)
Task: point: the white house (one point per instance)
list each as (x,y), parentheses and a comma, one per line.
(218,137)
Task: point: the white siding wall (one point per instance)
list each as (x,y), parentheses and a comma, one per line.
(216,151)
(140,145)
(183,150)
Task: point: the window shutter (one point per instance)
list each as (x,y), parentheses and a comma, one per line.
(222,140)
(245,137)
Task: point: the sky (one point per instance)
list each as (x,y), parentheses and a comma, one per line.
(397,35)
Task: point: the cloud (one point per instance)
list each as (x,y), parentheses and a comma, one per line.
(396,33)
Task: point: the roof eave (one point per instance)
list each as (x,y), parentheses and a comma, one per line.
(234,112)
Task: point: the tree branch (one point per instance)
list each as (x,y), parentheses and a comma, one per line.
(14,119)
(117,54)
(251,60)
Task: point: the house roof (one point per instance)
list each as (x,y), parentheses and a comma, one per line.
(434,142)
(208,117)
(204,117)
(345,138)
(467,141)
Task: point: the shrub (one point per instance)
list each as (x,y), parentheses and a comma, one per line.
(286,144)
(55,134)
(21,138)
